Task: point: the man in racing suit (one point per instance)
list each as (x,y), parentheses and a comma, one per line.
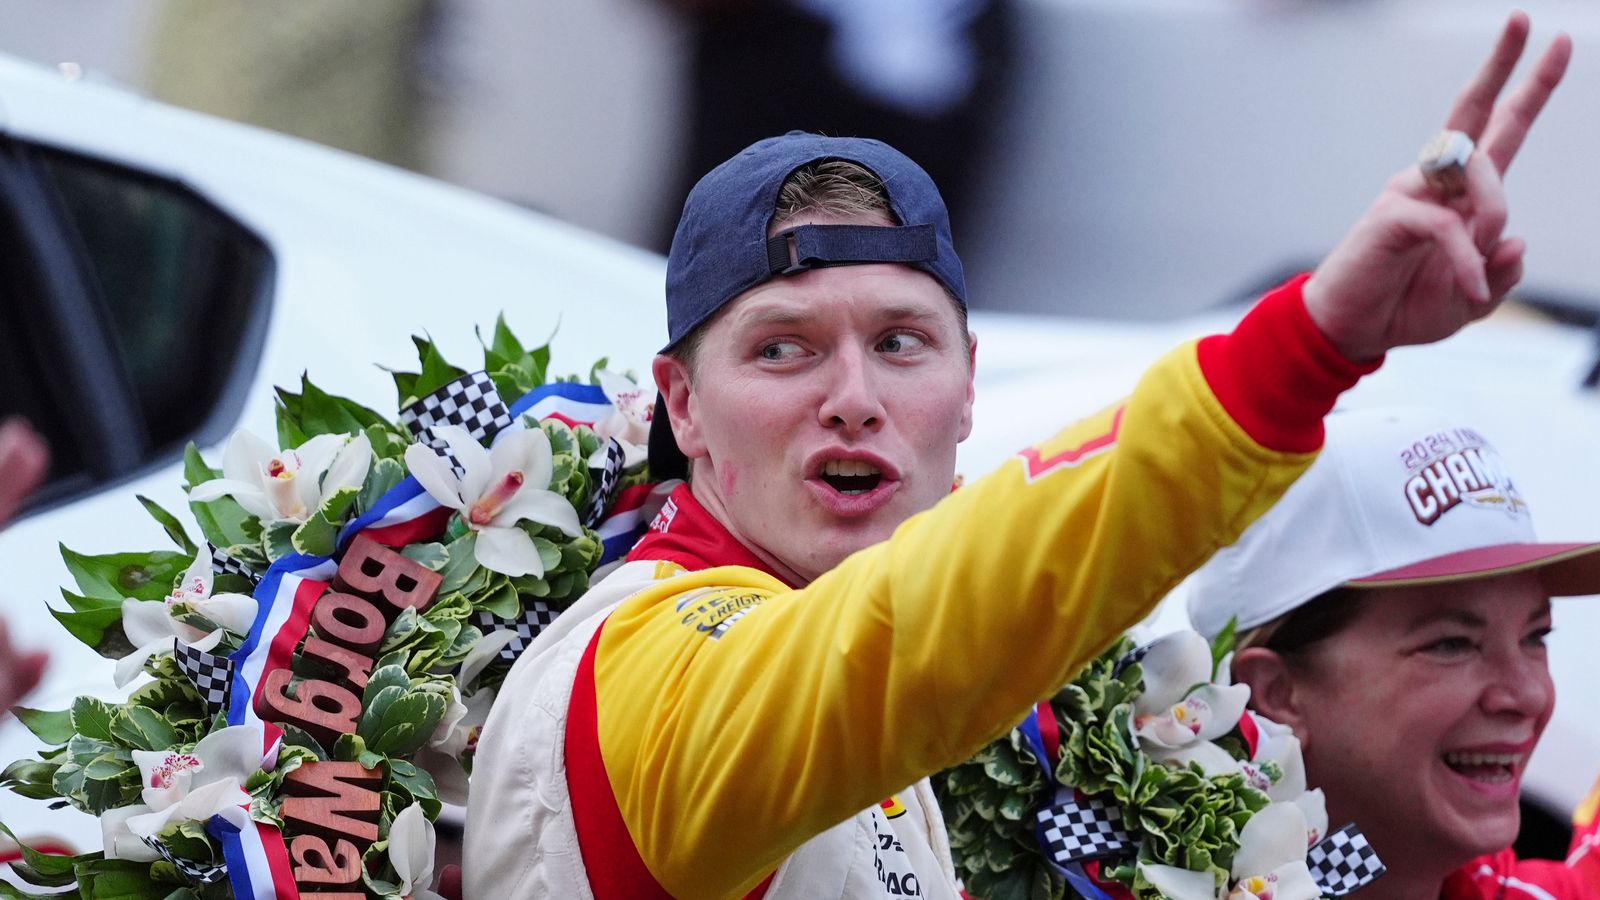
(751,704)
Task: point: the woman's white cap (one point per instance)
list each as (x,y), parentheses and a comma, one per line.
(1397,497)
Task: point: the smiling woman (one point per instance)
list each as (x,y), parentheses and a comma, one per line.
(1393,610)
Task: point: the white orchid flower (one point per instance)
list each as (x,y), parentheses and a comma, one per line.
(411,843)
(1177,883)
(1314,806)
(1271,862)
(633,407)
(500,487)
(152,624)
(1277,752)
(483,653)
(455,737)
(120,842)
(185,787)
(289,485)
(1179,705)
(457,732)
(1213,760)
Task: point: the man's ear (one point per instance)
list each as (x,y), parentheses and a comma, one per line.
(972,368)
(676,390)
(1272,688)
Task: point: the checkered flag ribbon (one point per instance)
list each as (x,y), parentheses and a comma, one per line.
(469,401)
(212,675)
(1136,655)
(200,873)
(430,439)
(1073,829)
(1343,861)
(605,484)
(223,564)
(536,618)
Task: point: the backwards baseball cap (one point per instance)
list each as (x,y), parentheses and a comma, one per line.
(722,249)
(1398,497)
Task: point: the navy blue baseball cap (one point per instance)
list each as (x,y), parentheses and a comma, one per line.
(722,247)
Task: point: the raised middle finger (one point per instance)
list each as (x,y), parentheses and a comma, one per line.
(1512,118)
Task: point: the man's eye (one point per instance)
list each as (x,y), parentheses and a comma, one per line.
(901,343)
(780,350)
(1537,637)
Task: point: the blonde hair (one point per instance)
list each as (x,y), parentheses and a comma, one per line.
(832,187)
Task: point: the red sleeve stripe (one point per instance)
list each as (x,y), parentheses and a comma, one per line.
(1276,374)
(610,857)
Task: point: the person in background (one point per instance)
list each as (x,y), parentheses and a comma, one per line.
(1392,610)
(24,458)
(927,77)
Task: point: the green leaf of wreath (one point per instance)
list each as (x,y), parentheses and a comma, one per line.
(277,540)
(90,619)
(109,782)
(461,561)
(314,411)
(54,728)
(142,728)
(435,374)
(319,535)
(142,576)
(170,524)
(414,782)
(223,521)
(433,556)
(91,718)
(118,879)
(405,724)
(31,778)
(42,869)
(384,475)
(502,599)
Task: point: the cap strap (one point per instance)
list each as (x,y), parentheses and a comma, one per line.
(816,246)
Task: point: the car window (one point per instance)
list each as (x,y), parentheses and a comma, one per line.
(176,289)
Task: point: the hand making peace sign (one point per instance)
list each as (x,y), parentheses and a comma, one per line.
(1419,265)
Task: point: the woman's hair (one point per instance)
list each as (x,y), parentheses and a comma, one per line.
(1313,621)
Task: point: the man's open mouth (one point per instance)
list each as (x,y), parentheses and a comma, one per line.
(850,476)
(1489,768)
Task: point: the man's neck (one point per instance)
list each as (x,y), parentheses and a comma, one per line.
(686,532)
(714,506)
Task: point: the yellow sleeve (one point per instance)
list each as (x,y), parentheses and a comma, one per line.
(728,748)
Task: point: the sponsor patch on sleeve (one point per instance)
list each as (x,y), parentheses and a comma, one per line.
(1069,450)
(712,611)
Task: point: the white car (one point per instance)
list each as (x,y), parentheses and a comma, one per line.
(164,270)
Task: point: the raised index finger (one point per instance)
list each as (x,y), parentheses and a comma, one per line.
(1472,108)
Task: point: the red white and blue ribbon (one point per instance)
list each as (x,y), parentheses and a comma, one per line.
(406,514)
(569,402)
(258,861)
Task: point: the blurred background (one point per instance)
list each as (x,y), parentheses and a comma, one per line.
(1127,158)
